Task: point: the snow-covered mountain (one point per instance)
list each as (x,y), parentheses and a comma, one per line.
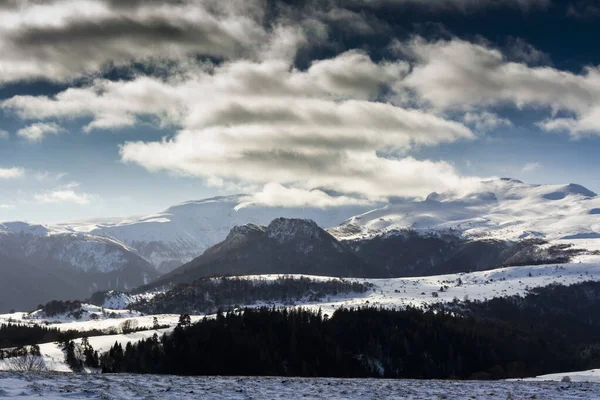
(503,209)
(285,246)
(121,253)
(179,234)
(78,264)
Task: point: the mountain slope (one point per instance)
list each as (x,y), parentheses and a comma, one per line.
(285,246)
(86,262)
(182,232)
(504,209)
(23,286)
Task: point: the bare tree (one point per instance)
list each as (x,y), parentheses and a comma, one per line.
(26,362)
(128,326)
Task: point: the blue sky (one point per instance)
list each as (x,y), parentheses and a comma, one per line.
(117,108)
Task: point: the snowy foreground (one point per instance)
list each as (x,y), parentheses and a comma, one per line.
(72,386)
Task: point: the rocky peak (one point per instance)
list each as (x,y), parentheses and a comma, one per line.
(286,229)
(242,233)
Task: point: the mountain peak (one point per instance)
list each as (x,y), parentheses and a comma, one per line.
(511,180)
(23,228)
(242,233)
(285,229)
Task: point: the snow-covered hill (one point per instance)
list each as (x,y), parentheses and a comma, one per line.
(505,209)
(390,293)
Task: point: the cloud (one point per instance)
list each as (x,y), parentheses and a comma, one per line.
(11,173)
(64,39)
(459,75)
(530,167)
(47,176)
(460,5)
(583,9)
(4,134)
(265,122)
(485,121)
(37,132)
(276,195)
(64,194)
(6,206)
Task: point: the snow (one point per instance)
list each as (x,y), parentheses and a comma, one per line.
(169,238)
(111,319)
(392,293)
(481,285)
(504,209)
(592,375)
(125,386)
(54,357)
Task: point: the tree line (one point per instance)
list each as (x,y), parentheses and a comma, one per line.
(208,295)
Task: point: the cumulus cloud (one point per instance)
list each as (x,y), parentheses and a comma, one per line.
(277,195)
(11,173)
(64,194)
(250,116)
(263,122)
(456,74)
(38,131)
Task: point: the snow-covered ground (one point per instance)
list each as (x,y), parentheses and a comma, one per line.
(60,386)
(395,292)
(592,375)
(504,209)
(54,357)
(419,291)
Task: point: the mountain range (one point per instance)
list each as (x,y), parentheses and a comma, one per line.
(503,222)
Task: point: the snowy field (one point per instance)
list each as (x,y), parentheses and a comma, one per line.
(61,386)
(396,292)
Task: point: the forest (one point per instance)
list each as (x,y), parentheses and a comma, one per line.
(570,314)
(208,295)
(364,342)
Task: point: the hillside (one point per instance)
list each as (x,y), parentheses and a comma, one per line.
(285,246)
(503,209)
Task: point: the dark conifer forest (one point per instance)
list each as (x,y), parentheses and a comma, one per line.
(365,342)
(551,329)
(208,295)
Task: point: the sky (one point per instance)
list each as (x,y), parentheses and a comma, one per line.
(125,107)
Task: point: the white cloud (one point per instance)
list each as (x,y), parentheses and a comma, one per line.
(61,196)
(6,206)
(265,122)
(530,167)
(459,75)
(4,134)
(66,193)
(11,173)
(276,195)
(37,132)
